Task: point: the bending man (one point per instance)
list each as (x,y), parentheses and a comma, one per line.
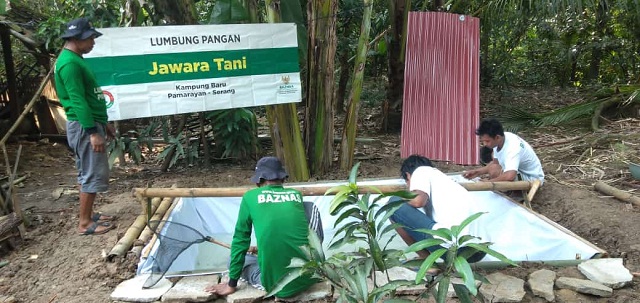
(440,202)
(512,156)
(278,216)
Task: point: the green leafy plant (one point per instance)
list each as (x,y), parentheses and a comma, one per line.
(362,221)
(131,144)
(234,131)
(459,249)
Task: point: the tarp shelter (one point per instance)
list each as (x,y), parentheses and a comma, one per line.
(517,232)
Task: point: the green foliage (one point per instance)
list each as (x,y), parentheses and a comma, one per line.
(455,259)
(235,132)
(622,96)
(362,220)
(131,144)
(101,13)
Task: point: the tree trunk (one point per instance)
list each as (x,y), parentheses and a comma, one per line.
(398,12)
(284,123)
(597,50)
(320,82)
(348,144)
(343,80)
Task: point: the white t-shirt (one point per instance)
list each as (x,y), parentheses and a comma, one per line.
(451,202)
(516,154)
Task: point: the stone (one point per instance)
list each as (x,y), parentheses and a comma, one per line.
(584,286)
(451,292)
(607,271)
(245,293)
(399,273)
(503,288)
(131,290)
(191,289)
(318,291)
(7,299)
(541,283)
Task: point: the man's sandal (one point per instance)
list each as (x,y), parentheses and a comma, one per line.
(92,229)
(102,217)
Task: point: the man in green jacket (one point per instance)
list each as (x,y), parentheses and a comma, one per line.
(278,216)
(87,127)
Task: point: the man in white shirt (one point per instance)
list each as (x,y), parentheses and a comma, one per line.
(440,203)
(512,156)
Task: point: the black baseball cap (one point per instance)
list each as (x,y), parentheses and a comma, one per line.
(80,29)
(269,168)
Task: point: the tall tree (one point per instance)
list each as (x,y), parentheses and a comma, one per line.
(284,123)
(347,145)
(322,17)
(398,15)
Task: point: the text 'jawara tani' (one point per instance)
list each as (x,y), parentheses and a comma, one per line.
(220,64)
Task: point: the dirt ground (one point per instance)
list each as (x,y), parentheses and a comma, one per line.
(55,264)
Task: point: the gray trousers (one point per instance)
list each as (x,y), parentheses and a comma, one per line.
(93,168)
(251,270)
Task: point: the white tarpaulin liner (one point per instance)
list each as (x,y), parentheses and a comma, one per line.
(515,231)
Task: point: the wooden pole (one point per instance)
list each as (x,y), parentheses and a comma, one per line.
(10,71)
(11,194)
(318,190)
(132,233)
(534,188)
(617,193)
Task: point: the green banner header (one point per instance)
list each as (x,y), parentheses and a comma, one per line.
(137,69)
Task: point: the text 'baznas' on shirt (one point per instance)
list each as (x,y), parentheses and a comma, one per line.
(279,197)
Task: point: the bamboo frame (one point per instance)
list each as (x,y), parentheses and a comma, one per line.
(133,232)
(318,190)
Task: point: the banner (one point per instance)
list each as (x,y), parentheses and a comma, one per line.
(165,70)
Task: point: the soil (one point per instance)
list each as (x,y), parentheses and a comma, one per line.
(55,264)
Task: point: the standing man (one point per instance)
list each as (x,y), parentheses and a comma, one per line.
(512,156)
(440,202)
(87,127)
(278,216)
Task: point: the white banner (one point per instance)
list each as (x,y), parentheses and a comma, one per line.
(165,70)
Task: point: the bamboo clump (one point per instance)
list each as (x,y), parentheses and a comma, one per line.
(146,234)
(133,232)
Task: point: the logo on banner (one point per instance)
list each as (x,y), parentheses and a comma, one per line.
(109,99)
(286,88)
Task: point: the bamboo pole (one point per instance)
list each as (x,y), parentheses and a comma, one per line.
(146,234)
(132,233)
(315,190)
(534,188)
(147,249)
(617,193)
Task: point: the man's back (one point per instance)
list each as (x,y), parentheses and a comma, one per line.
(278,217)
(516,154)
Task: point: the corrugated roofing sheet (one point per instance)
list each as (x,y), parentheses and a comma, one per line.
(442,87)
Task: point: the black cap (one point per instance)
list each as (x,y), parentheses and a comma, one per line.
(269,168)
(80,29)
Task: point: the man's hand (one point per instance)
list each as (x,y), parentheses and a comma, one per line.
(111,131)
(253,250)
(470,174)
(97,142)
(221,289)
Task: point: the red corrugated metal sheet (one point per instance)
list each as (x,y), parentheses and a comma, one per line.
(441,105)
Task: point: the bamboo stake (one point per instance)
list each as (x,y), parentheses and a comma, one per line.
(147,250)
(617,193)
(132,233)
(534,188)
(11,193)
(315,190)
(146,234)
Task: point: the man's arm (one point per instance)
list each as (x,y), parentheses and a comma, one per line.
(240,244)
(470,174)
(505,176)
(420,200)
(72,77)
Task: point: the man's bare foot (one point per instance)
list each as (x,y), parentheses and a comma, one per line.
(221,289)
